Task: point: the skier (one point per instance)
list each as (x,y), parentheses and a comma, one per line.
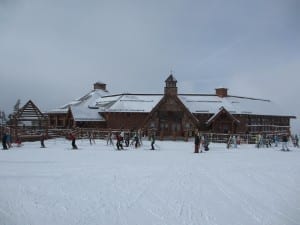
(119,142)
(205,143)
(296,141)
(197,142)
(42,140)
(127,140)
(109,138)
(152,139)
(91,138)
(135,140)
(284,143)
(4,138)
(8,140)
(259,140)
(140,136)
(276,140)
(229,142)
(73,139)
(234,141)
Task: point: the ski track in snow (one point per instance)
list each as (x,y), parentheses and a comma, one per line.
(172,186)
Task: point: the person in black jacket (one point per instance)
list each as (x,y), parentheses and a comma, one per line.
(152,139)
(42,141)
(4,138)
(197,142)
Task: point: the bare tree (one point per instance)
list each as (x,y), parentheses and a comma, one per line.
(17,106)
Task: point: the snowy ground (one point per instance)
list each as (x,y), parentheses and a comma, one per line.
(171,186)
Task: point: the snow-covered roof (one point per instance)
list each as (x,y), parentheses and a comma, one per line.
(84,108)
(233,104)
(58,111)
(134,103)
(86,113)
(89,99)
(89,107)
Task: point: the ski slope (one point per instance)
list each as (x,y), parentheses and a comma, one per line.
(169,186)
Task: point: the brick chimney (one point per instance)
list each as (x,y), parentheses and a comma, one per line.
(100,86)
(222,92)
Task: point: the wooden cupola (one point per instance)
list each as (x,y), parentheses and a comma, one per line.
(171,88)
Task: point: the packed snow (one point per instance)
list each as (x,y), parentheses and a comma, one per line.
(169,186)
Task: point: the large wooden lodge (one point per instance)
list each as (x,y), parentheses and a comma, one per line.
(171,113)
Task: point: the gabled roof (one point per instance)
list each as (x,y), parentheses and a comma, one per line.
(29,112)
(222,110)
(30,115)
(178,101)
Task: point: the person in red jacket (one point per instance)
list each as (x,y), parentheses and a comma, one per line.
(73,139)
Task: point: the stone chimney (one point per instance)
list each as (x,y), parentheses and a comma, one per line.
(100,86)
(222,92)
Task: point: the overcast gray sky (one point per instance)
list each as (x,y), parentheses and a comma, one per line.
(52,51)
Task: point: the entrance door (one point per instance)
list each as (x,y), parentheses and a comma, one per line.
(170,122)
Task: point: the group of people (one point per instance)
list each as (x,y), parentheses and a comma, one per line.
(263,140)
(128,139)
(201,143)
(134,138)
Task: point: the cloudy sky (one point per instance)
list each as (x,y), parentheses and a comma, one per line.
(52,51)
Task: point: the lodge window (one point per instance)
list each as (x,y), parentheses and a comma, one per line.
(60,122)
